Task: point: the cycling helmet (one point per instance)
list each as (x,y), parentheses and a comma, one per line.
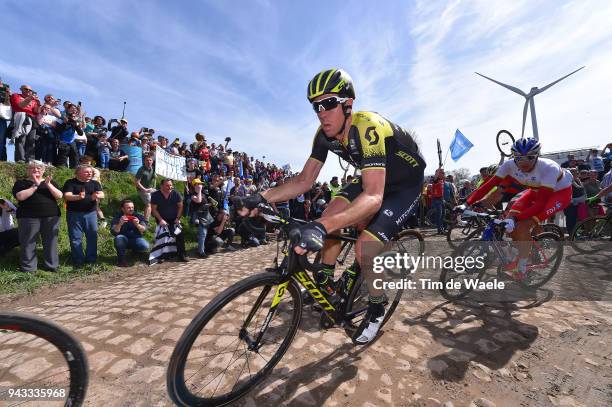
(335,81)
(491,170)
(525,146)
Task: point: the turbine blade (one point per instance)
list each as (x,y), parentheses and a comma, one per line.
(512,88)
(524,117)
(557,81)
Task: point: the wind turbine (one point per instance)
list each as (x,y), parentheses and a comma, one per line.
(529,100)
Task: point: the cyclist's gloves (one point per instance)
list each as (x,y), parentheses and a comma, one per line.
(510,225)
(313,235)
(253,201)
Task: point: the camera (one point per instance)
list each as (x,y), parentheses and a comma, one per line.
(130,218)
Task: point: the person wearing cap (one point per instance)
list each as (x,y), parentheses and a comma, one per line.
(219,235)
(192,172)
(119,131)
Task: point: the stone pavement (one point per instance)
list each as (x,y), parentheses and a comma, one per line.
(431,353)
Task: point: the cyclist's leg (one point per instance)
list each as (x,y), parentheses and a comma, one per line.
(331,247)
(385,225)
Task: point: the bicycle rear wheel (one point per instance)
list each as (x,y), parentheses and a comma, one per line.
(40,357)
(215,361)
(592,234)
(408,241)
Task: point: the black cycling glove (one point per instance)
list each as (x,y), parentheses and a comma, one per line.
(253,201)
(313,235)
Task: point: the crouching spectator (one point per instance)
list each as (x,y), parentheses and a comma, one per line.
(128,227)
(219,235)
(9,236)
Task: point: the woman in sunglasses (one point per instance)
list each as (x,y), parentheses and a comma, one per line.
(548,191)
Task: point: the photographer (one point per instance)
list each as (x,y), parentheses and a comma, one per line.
(128,227)
(200,215)
(67,131)
(119,131)
(93,136)
(26,106)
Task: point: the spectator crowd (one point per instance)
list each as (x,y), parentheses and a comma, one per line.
(51,133)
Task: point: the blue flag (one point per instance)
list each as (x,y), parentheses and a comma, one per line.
(459,146)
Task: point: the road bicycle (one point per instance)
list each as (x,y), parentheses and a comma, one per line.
(543,262)
(40,363)
(593,234)
(238,338)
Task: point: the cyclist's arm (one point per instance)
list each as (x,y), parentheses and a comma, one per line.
(365,205)
(482,190)
(296,185)
(604,191)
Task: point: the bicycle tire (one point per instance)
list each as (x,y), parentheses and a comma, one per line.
(579,233)
(411,234)
(454,242)
(502,143)
(68,346)
(552,228)
(175,378)
(357,294)
(461,251)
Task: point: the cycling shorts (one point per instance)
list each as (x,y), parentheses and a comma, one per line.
(558,201)
(396,207)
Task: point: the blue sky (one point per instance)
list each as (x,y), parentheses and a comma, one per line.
(240,68)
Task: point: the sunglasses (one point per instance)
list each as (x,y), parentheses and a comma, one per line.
(327,103)
(520,158)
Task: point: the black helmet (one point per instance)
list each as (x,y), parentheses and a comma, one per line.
(334,81)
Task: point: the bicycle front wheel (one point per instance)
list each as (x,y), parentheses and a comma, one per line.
(40,360)
(234,342)
(592,234)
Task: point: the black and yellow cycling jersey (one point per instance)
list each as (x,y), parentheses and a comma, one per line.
(375,142)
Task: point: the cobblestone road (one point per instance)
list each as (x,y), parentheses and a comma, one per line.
(431,353)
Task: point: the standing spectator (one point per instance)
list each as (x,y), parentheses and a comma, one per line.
(81,194)
(93,136)
(334,187)
(596,163)
(465,190)
(104,148)
(38,213)
(26,106)
(118,159)
(450,190)
(437,199)
(9,235)
(570,163)
(192,172)
(572,212)
(47,123)
(591,188)
(128,227)
(5,117)
(200,215)
(119,131)
(167,208)
(145,184)
(87,160)
(67,130)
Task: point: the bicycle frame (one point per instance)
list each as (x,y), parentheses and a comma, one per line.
(294,270)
